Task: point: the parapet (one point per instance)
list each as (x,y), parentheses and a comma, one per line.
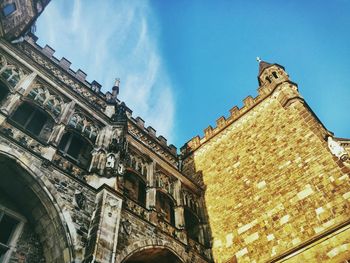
(95,89)
(65,65)
(152,133)
(235,113)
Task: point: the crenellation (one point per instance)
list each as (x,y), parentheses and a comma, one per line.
(248,102)
(173,149)
(48,51)
(140,122)
(208,131)
(162,140)
(81,75)
(269,183)
(151,131)
(221,122)
(65,63)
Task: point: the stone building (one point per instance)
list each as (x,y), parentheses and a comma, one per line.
(82,180)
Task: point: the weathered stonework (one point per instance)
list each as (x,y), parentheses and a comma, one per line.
(272,184)
(82,180)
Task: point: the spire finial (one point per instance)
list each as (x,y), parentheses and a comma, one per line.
(258,59)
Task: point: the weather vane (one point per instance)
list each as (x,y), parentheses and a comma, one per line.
(258,59)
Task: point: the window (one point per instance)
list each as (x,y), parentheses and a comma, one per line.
(135,188)
(268,79)
(10,228)
(275,75)
(192,225)
(165,207)
(9,9)
(76,148)
(33,120)
(3,91)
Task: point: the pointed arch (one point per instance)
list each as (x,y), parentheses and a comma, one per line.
(26,188)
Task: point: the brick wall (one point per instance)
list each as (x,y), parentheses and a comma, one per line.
(272,184)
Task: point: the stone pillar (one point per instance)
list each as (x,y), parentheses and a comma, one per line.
(67,112)
(179,217)
(104,229)
(56,135)
(179,209)
(12,101)
(27,81)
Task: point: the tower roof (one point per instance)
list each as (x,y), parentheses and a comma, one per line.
(263,65)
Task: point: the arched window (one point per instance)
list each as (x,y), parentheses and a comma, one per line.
(275,75)
(33,120)
(76,148)
(135,188)
(165,207)
(3,91)
(268,79)
(192,224)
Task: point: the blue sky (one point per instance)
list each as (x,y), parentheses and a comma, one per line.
(183,64)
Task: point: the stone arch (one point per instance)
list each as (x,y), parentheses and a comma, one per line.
(26,188)
(154,243)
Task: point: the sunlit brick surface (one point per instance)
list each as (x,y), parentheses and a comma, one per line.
(272,184)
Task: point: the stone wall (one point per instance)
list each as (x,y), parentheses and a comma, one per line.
(272,184)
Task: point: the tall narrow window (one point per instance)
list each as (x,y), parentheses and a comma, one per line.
(135,188)
(165,207)
(76,148)
(192,225)
(268,79)
(3,91)
(33,120)
(8,226)
(275,75)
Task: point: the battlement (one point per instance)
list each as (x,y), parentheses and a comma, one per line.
(65,65)
(151,132)
(236,113)
(94,90)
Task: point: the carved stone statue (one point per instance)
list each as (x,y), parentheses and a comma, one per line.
(337,149)
(110,161)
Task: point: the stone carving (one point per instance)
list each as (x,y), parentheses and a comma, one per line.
(82,91)
(120,113)
(149,143)
(190,200)
(110,161)
(164,182)
(41,95)
(80,199)
(11,73)
(337,149)
(85,126)
(126,227)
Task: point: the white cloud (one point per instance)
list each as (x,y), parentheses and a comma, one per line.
(109,39)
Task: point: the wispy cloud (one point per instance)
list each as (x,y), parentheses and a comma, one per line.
(109,39)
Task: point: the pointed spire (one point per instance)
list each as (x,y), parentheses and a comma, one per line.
(262,65)
(115,89)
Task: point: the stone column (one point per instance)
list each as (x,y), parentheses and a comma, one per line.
(12,101)
(104,229)
(27,81)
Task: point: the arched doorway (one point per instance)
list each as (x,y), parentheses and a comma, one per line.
(151,255)
(25,202)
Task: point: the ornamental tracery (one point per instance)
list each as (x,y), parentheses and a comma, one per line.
(48,100)
(138,164)
(165,182)
(11,73)
(81,123)
(190,200)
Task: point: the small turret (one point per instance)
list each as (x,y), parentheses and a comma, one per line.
(271,74)
(115,89)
